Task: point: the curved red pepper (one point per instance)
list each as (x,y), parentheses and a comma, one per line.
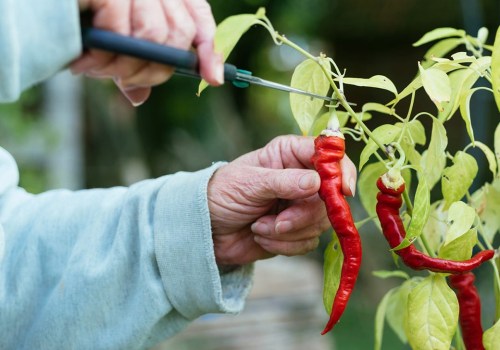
(329,150)
(470,310)
(388,203)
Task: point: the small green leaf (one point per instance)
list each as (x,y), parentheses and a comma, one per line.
(386,134)
(379,319)
(485,201)
(458,177)
(436,84)
(332,269)
(465,112)
(229,32)
(496,143)
(436,227)
(432,314)
(308,76)
(396,308)
(421,210)
(377,81)
(495,68)
(388,274)
(459,248)
(461,82)
(415,134)
(377,107)
(440,49)
(434,158)
(491,337)
(367,187)
(461,218)
(490,156)
(439,33)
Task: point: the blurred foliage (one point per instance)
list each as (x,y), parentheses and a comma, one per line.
(176,130)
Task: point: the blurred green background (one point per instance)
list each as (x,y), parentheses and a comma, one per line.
(99,140)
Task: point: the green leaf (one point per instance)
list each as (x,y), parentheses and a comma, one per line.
(496,143)
(491,337)
(439,33)
(434,158)
(308,76)
(396,308)
(379,319)
(432,314)
(377,107)
(229,32)
(490,156)
(460,218)
(415,134)
(332,269)
(485,201)
(461,82)
(459,248)
(436,84)
(377,81)
(440,49)
(465,112)
(495,68)
(458,177)
(436,227)
(421,210)
(388,274)
(386,134)
(367,187)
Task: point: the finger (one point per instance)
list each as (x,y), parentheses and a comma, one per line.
(290,234)
(289,151)
(136,96)
(211,65)
(285,247)
(182,29)
(284,183)
(349,176)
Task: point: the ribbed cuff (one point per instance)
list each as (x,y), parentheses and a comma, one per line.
(185,253)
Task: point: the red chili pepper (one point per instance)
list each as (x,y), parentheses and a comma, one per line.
(388,203)
(329,150)
(470,310)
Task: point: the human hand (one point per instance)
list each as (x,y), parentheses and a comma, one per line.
(266,202)
(179,23)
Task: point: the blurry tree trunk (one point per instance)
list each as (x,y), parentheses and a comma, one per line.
(63,110)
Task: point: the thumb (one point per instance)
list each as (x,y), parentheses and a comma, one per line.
(286,183)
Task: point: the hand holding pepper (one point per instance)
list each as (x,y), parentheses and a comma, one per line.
(266,202)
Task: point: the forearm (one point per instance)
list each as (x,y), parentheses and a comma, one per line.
(38,38)
(116,268)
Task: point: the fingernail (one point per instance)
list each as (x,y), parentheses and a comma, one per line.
(219,71)
(308,181)
(283,227)
(260,228)
(352,186)
(137,103)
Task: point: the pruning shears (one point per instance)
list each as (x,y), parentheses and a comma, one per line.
(185,62)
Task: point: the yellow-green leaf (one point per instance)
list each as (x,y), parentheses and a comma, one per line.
(377,81)
(377,107)
(229,32)
(308,76)
(379,319)
(367,187)
(332,268)
(440,49)
(485,201)
(491,337)
(436,227)
(460,219)
(490,156)
(439,33)
(495,68)
(432,314)
(436,84)
(459,248)
(496,144)
(434,158)
(386,134)
(458,177)
(398,302)
(421,210)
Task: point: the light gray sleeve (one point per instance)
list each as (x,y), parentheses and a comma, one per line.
(37,39)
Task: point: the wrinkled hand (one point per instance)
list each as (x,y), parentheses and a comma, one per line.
(179,23)
(266,203)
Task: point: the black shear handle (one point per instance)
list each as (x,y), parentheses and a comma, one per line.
(186,62)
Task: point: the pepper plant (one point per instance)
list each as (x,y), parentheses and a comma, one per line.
(438,236)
